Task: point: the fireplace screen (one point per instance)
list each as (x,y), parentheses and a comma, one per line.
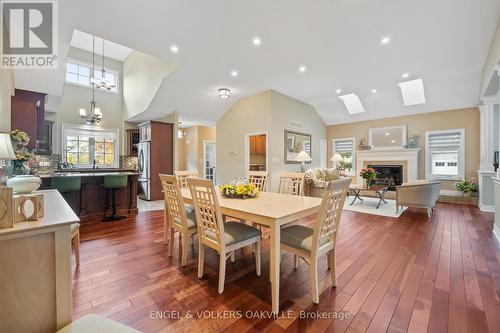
(388,175)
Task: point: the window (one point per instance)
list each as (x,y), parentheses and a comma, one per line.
(345,147)
(82,145)
(444,154)
(80,73)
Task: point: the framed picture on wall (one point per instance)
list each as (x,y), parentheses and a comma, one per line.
(294,143)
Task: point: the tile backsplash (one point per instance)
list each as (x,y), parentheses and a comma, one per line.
(48,164)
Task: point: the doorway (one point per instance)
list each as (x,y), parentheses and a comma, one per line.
(209,160)
(256,152)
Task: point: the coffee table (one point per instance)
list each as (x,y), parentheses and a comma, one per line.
(375,189)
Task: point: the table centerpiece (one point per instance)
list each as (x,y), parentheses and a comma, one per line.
(369,175)
(239,188)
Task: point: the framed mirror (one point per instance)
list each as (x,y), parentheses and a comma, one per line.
(393,137)
(296,142)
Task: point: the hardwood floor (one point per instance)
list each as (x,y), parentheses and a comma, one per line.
(407,274)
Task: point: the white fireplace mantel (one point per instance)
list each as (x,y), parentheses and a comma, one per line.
(410,155)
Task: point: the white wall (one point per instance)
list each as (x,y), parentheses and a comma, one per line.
(76,97)
(269,112)
(251,114)
(283,110)
(142,76)
(492,60)
(6,91)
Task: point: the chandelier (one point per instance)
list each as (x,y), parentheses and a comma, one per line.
(102,82)
(94,116)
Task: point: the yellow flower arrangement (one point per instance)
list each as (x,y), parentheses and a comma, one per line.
(242,191)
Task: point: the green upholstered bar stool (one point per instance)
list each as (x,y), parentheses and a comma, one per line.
(66,185)
(114,182)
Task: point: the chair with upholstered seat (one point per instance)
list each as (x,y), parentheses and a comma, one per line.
(182,177)
(259,179)
(224,237)
(311,243)
(178,216)
(291,183)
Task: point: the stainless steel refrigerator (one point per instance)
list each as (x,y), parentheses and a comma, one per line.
(144,161)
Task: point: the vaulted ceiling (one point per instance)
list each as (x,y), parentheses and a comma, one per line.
(443,42)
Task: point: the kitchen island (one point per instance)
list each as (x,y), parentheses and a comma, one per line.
(93,201)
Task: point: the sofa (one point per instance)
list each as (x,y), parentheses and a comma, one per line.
(317,179)
(419,194)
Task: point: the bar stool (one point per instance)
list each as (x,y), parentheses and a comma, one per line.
(67,185)
(114,182)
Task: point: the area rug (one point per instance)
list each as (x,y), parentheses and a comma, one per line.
(368,206)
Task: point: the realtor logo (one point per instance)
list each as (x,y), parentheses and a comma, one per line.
(29,34)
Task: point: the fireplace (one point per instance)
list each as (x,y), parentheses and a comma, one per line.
(388,175)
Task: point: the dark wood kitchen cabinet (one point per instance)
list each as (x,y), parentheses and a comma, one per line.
(28,115)
(133,139)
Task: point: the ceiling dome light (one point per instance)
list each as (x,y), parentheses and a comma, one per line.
(387,133)
(385,40)
(374,91)
(302,69)
(234,73)
(174,48)
(256,41)
(224,93)
(405,75)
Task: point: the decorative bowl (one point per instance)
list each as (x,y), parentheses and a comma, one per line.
(24,184)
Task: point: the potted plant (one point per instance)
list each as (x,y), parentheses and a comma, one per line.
(466,187)
(368,175)
(19,166)
(18,171)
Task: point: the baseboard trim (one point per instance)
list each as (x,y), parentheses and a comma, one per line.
(486,208)
(496,231)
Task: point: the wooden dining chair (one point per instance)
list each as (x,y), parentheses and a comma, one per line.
(183,175)
(312,243)
(224,237)
(177,216)
(75,240)
(291,183)
(259,179)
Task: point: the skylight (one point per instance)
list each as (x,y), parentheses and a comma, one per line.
(412,92)
(352,103)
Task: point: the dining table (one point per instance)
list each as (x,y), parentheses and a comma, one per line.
(271,210)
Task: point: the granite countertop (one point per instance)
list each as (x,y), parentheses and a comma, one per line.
(89,174)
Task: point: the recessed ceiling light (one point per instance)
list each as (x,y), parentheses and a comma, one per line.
(174,48)
(302,69)
(405,75)
(385,40)
(413,92)
(374,91)
(234,73)
(338,91)
(393,141)
(256,41)
(352,103)
(387,133)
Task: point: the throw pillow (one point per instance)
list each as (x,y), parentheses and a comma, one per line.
(331,174)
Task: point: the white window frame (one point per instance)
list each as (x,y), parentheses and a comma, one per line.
(353,171)
(461,155)
(115,90)
(116,131)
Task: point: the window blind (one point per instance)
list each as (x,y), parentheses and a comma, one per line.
(344,146)
(445,142)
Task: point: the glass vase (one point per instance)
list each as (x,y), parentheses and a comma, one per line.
(17,168)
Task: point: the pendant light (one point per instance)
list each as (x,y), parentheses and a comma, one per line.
(94,116)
